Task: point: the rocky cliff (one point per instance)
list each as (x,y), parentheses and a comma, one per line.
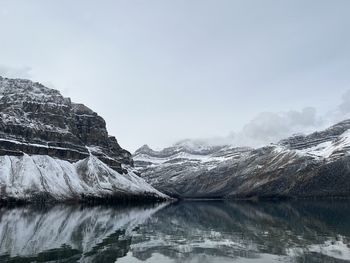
(299,166)
(37,120)
(52,148)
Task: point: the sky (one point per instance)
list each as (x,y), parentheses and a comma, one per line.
(158,71)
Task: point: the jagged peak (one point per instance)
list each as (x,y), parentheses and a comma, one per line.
(39,115)
(82,109)
(10,85)
(301,141)
(144,149)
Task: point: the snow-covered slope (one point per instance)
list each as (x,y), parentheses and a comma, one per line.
(329,150)
(299,166)
(52,148)
(186,152)
(31,178)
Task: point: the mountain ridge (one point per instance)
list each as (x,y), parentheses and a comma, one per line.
(296,167)
(52,149)
(35,119)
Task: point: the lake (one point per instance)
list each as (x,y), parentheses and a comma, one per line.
(186,231)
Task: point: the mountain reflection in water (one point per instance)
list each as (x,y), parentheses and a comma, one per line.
(212,231)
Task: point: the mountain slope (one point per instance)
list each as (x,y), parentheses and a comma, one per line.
(37,120)
(32,178)
(52,148)
(299,166)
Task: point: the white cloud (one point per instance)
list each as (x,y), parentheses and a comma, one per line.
(270,127)
(15,72)
(344,107)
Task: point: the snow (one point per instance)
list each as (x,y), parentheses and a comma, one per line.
(40,145)
(34,89)
(194,145)
(333,248)
(26,176)
(326,149)
(337,248)
(181,155)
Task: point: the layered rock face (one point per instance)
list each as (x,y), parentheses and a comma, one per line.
(175,169)
(54,149)
(38,120)
(300,166)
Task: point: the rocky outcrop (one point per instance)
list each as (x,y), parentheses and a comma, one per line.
(54,149)
(38,120)
(299,166)
(299,142)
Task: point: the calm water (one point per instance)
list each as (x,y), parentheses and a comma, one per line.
(303,231)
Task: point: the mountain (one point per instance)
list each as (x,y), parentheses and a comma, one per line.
(314,165)
(37,120)
(52,148)
(186,152)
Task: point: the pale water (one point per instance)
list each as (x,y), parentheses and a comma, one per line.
(210,231)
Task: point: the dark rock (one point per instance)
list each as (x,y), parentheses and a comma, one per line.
(37,120)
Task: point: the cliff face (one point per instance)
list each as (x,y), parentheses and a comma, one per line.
(54,149)
(38,120)
(299,166)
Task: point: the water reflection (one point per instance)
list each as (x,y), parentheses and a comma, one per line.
(69,233)
(292,232)
(303,231)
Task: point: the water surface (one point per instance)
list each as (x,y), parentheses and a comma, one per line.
(211,231)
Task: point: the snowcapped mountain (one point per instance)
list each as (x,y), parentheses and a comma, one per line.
(181,162)
(299,166)
(186,152)
(52,148)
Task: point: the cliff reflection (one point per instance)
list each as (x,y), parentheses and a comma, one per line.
(303,231)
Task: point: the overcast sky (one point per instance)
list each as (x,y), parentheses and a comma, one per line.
(160,71)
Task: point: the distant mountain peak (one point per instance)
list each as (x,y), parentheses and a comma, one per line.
(191,144)
(299,166)
(144,149)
